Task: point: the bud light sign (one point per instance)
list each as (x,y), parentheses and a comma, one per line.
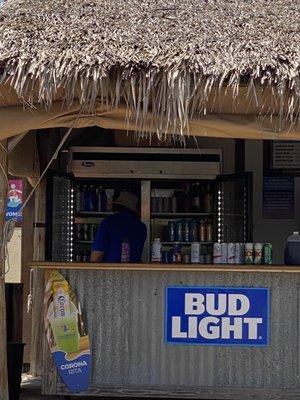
(217,316)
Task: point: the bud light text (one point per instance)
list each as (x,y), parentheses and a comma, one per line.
(217,316)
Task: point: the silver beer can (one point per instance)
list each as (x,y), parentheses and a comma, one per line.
(249,253)
(242,247)
(217,254)
(238,253)
(231,257)
(195,252)
(223,253)
(258,249)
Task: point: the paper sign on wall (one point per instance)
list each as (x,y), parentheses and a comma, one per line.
(278,197)
(217,316)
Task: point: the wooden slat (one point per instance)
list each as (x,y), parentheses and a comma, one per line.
(36,359)
(167,267)
(27,255)
(3,351)
(50,378)
(188,393)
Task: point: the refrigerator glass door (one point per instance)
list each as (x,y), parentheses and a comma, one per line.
(60,217)
(234,208)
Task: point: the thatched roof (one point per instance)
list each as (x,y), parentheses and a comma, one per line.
(156,55)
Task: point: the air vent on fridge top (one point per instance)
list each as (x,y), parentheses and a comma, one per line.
(152,163)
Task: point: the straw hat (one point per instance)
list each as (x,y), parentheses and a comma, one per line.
(128,200)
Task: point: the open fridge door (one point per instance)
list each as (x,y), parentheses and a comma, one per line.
(234,208)
(59,217)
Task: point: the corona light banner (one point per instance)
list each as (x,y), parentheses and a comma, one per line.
(66,335)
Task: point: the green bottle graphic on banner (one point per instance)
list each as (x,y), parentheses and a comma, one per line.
(64,324)
(65,331)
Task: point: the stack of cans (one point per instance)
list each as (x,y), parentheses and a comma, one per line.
(242,253)
(228,253)
(258,253)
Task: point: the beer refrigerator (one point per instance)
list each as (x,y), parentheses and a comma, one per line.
(184,186)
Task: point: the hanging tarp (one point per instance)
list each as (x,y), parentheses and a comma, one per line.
(227,117)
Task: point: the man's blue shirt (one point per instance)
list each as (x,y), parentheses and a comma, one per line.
(113,230)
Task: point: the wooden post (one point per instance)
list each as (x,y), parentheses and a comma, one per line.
(47,142)
(3,345)
(36,358)
(27,256)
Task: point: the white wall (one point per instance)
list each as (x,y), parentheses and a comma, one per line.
(274,231)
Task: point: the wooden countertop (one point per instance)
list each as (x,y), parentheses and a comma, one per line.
(166,267)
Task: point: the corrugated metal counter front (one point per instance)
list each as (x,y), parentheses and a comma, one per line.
(125,315)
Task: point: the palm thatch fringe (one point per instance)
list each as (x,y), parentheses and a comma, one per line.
(159,57)
(173,98)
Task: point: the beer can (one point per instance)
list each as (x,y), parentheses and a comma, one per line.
(194,231)
(208,259)
(77,257)
(179,232)
(176,248)
(217,253)
(231,254)
(258,248)
(85,257)
(239,253)
(171,231)
(249,253)
(186,259)
(202,231)
(165,257)
(179,258)
(242,254)
(209,233)
(268,253)
(223,253)
(195,252)
(174,257)
(176,253)
(186,231)
(85,232)
(78,232)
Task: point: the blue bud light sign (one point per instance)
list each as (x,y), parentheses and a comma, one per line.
(217,316)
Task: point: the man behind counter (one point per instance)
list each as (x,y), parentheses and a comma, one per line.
(123,225)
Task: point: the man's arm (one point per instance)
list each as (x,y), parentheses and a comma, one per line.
(97,256)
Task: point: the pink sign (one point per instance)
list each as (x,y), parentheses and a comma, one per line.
(14,200)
